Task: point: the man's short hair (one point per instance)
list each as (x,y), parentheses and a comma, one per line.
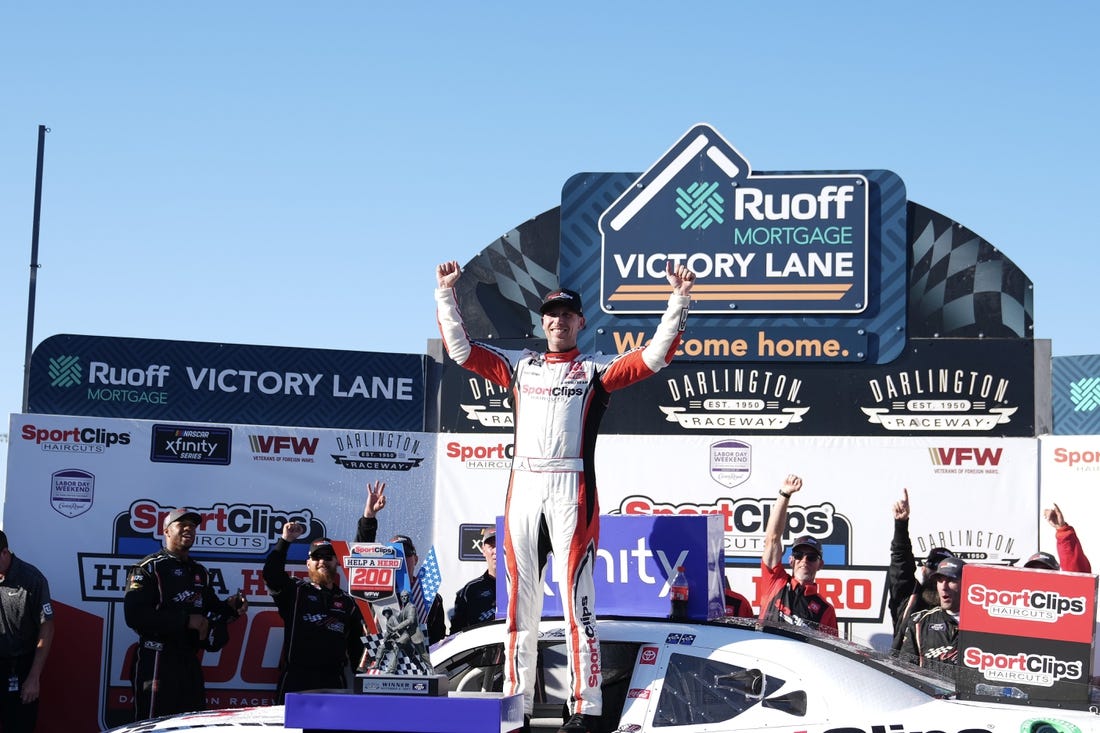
(406,543)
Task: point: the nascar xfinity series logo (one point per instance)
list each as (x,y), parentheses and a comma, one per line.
(939,400)
(378,451)
(732,399)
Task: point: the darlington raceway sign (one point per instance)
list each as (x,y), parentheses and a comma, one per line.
(759,243)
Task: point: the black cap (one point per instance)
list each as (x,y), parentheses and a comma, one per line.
(321,548)
(949,567)
(571,299)
(406,543)
(489,535)
(935,555)
(183,514)
(808,542)
(1042,561)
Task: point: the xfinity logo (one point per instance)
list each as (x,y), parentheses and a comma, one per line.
(191,444)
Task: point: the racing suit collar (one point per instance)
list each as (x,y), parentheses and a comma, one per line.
(556,357)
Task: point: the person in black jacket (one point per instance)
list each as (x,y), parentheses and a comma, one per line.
(367,531)
(476,601)
(932,636)
(172,606)
(324,628)
(906,595)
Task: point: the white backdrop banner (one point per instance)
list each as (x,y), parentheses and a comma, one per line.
(86,497)
(976,496)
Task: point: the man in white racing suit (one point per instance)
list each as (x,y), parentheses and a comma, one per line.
(558,398)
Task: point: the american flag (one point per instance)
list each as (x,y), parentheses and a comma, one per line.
(426,585)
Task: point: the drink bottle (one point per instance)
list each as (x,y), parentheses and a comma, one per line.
(678,594)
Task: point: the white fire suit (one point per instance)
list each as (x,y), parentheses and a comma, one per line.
(558,399)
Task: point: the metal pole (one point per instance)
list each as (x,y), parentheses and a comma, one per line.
(42,130)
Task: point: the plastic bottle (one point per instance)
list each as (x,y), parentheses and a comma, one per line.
(999,691)
(678,594)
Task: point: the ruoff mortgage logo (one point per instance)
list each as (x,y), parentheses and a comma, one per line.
(64,371)
(732,399)
(1085,394)
(378,450)
(72,492)
(939,400)
(763,243)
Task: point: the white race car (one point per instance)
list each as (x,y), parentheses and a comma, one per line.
(717,676)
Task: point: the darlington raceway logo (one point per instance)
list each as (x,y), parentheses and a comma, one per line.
(378,450)
(732,399)
(989,546)
(284,448)
(1042,670)
(487,404)
(939,400)
(84,440)
(1025,605)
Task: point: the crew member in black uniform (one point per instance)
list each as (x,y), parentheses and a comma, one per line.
(476,601)
(323,627)
(932,635)
(367,531)
(26,634)
(171,605)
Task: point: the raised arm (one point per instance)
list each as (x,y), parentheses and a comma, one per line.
(777,522)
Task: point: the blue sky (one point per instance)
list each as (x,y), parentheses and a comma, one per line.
(290,173)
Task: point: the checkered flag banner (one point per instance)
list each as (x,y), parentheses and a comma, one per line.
(375,650)
(426,586)
(960,285)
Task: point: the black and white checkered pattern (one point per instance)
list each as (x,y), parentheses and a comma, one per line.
(405,666)
(962,286)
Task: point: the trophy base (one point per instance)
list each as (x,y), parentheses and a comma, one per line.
(390,684)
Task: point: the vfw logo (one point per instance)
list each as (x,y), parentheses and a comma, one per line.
(64,371)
